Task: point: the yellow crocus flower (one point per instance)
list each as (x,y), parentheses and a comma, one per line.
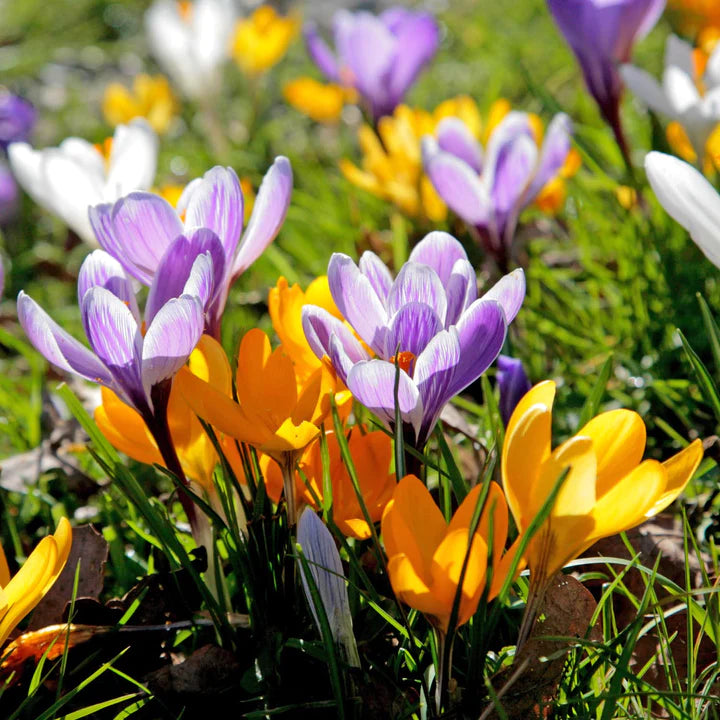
(262,39)
(150,97)
(323,102)
(21,593)
(426,554)
(608,488)
(695,17)
(277,412)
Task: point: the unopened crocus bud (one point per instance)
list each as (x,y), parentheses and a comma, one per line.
(328,576)
(17,118)
(513,383)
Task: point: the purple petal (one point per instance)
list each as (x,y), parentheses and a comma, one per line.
(327,335)
(417,283)
(375,270)
(440,251)
(434,373)
(412,328)
(515,165)
(320,53)
(136,230)
(555,149)
(201,281)
(417,38)
(513,383)
(100,269)
(176,265)
(454,137)
(461,290)
(373,384)
(457,184)
(170,338)
(481,334)
(216,202)
(57,346)
(114,335)
(509,293)
(271,205)
(357,301)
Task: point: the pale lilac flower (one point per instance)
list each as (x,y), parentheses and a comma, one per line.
(137,368)
(513,383)
(380,56)
(327,573)
(68,179)
(17,119)
(602,34)
(429,321)
(489,187)
(139,230)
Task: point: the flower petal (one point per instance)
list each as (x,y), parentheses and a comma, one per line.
(136,230)
(375,270)
(679,469)
(102,269)
(357,301)
(461,290)
(57,346)
(440,251)
(133,159)
(320,53)
(171,337)
(372,382)
(268,215)
(688,198)
(454,137)
(417,283)
(509,293)
(412,328)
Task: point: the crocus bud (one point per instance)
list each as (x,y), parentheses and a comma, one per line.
(513,383)
(327,573)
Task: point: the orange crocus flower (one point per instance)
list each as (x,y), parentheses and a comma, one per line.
(426,555)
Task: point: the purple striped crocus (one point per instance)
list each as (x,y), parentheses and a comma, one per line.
(380,56)
(602,34)
(428,329)
(138,366)
(150,238)
(489,187)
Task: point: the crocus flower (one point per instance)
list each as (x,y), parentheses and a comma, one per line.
(689,94)
(191,41)
(372,456)
(277,412)
(138,368)
(323,102)
(262,39)
(688,198)
(608,488)
(21,593)
(428,325)
(141,228)
(488,188)
(17,119)
(513,383)
(426,554)
(150,98)
(9,195)
(602,35)
(328,576)
(68,179)
(379,56)
(695,18)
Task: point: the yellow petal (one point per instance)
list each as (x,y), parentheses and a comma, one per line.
(432,204)
(63,540)
(4,570)
(290,437)
(413,591)
(680,142)
(679,469)
(209,362)
(322,102)
(318,293)
(627,503)
(619,443)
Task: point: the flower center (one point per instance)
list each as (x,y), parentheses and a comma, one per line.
(405,360)
(185,9)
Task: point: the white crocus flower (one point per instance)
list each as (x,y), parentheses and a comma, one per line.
(68,179)
(691,100)
(688,198)
(191,41)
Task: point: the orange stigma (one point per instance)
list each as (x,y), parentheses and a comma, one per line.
(405,360)
(185,9)
(105,150)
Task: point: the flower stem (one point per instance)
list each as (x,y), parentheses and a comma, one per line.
(287,466)
(442,672)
